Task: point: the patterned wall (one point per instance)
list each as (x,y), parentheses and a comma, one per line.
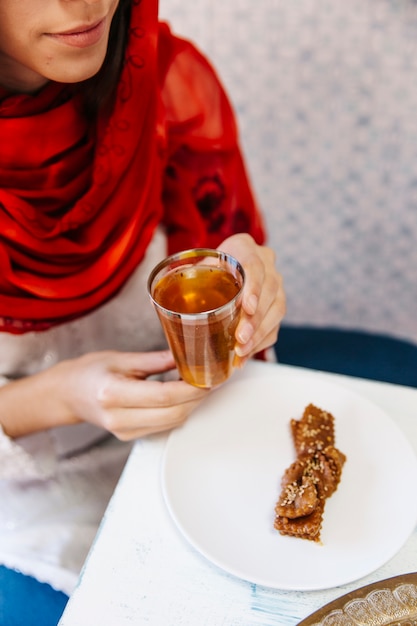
(326,96)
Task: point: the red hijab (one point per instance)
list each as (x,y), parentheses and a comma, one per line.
(79,205)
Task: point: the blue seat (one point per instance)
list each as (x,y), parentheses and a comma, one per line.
(351,352)
(24,601)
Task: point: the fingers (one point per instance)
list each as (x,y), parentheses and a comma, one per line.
(259,329)
(254,303)
(139,364)
(133,393)
(260,270)
(131,423)
(133,406)
(267,322)
(113,390)
(263,305)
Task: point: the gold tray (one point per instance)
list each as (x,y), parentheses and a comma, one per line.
(390,602)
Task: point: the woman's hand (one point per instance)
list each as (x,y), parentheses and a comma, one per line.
(109,389)
(263,304)
(115,391)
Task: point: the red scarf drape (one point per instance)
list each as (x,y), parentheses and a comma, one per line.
(78,206)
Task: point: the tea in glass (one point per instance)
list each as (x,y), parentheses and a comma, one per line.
(197,295)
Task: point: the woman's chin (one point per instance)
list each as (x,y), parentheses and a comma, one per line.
(73,74)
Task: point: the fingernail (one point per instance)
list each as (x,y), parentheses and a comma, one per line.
(252,304)
(245,333)
(239,354)
(243,351)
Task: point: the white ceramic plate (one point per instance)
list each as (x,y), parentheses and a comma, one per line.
(221,476)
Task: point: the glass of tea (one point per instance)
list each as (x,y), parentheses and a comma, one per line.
(198,295)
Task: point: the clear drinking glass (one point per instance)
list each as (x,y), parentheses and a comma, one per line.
(197,295)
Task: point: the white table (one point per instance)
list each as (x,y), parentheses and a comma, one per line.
(141,570)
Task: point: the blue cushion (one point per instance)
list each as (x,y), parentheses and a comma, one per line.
(24,601)
(355,353)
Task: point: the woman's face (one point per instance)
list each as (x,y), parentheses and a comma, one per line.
(60,40)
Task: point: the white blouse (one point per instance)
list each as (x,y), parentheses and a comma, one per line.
(55,485)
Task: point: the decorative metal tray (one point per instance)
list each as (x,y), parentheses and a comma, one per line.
(390,602)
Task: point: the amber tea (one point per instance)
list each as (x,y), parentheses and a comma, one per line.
(196,289)
(198,301)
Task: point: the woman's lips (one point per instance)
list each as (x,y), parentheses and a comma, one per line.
(81,37)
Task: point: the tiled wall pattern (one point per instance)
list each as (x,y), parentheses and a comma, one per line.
(326,96)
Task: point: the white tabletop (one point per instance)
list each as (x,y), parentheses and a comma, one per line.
(141,570)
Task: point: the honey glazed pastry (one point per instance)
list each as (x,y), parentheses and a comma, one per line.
(312,478)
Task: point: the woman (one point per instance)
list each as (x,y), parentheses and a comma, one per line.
(118,146)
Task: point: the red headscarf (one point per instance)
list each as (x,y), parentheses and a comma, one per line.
(79,205)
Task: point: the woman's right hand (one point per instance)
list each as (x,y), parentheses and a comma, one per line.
(109,389)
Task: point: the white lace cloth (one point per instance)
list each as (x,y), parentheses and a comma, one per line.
(55,485)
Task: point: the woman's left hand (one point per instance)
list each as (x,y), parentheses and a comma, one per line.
(263,305)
